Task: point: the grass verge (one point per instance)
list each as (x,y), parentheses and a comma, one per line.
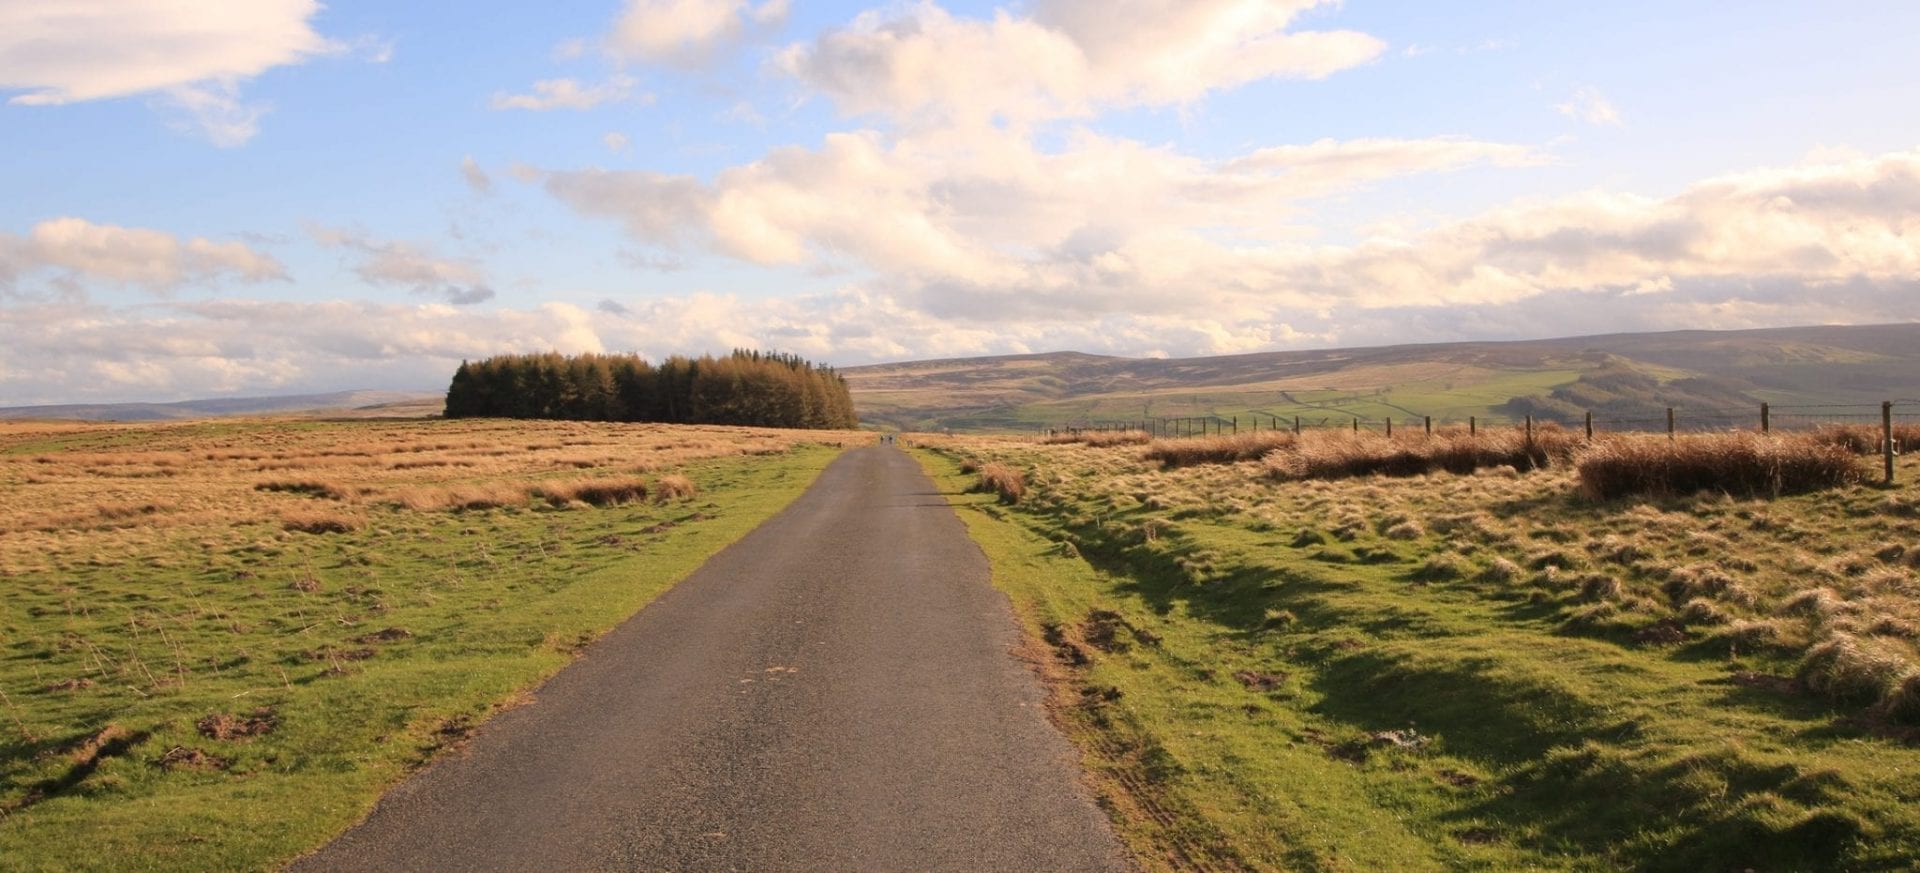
(1356,675)
(234,691)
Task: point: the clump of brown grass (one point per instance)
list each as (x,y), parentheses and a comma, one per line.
(1009,483)
(488,495)
(310,487)
(1865,439)
(1854,669)
(1189,451)
(1744,464)
(674,486)
(320,521)
(596,492)
(1342,454)
(1100,439)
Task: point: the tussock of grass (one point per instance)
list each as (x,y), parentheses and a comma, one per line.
(594,492)
(1187,452)
(1851,669)
(1743,464)
(311,487)
(1346,454)
(465,497)
(320,521)
(1101,438)
(675,487)
(1010,484)
(1864,439)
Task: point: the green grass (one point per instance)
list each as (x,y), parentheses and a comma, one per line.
(486,604)
(1400,710)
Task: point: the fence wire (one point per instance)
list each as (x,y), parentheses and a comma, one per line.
(1903,413)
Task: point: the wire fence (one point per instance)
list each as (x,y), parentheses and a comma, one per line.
(1888,427)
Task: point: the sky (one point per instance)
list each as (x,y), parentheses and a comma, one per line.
(212,198)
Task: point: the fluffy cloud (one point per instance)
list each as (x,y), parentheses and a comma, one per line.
(1067,59)
(688,32)
(988,212)
(569,94)
(1775,231)
(400,264)
(194,53)
(78,251)
(999,232)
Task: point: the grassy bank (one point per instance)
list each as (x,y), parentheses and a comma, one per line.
(1467,671)
(222,641)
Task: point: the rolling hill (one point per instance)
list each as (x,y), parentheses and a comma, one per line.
(1712,377)
(344,404)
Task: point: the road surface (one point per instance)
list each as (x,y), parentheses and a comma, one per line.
(834,692)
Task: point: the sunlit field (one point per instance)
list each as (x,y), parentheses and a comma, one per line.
(1277,656)
(219,641)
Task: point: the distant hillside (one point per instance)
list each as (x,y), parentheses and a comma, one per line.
(1619,376)
(396,404)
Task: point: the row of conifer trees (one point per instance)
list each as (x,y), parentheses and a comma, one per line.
(744,388)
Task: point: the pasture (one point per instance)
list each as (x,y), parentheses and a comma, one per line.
(1474,670)
(219,641)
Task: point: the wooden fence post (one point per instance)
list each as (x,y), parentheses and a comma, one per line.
(1669,424)
(1236,425)
(1389,425)
(1529,432)
(1589,425)
(1886,436)
(1296,425)
(1766,416)
(1429,425)
(1356,424)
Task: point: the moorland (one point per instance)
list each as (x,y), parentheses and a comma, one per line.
(1330,652)
(221,640)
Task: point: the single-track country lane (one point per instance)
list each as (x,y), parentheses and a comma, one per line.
(837,691)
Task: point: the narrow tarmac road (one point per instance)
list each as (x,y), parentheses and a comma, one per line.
(836,691)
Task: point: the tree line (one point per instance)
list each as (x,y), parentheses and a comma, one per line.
(744,388)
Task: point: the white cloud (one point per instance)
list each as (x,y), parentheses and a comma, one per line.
(79,251)
(989,208)
(215,111)
(569,94)
(192,52)
(401,264)
(1067,59)
(477,178)
(689,32)
(1590,106)
(615,141)
(996,231)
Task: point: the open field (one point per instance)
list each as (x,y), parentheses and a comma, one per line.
(1626,376)
(223,639)
(1481,671)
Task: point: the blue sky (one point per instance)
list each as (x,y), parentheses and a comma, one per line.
(210,198)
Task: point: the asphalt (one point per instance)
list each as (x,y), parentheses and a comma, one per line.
(836,691)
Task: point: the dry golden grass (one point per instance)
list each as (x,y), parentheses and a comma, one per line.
(1101,438)
(674,486)
(1009,483)
(1823,584)
(1747,464)
(79,490)
(595,492)
(1186,452)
